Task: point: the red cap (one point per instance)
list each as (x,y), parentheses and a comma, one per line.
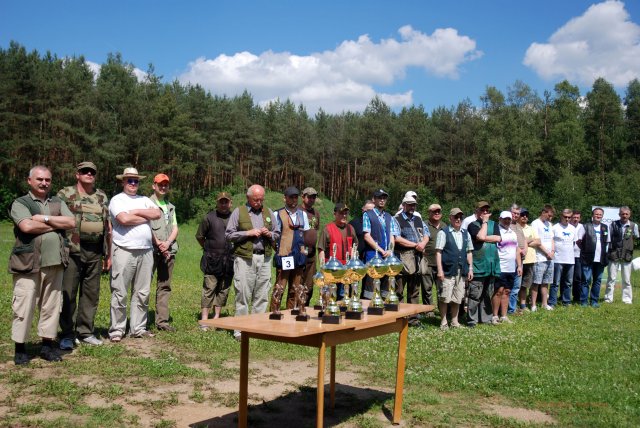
(161,178)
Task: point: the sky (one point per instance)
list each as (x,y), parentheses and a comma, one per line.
(337,55)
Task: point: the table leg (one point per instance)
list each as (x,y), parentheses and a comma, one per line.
(402,356)
(332,379)
(320,390)
(244,380)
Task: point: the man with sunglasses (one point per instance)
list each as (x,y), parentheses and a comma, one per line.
(291,251)
(309,197)
(131,256)
(564,239)
(380,230)
(485,235)
(165,247)
(89,255)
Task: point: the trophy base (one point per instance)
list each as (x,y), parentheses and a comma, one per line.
(391,306)
(318,307)
(295,311)
(276,316)
(354,315)
(303,317)
(330,319)
(375,311)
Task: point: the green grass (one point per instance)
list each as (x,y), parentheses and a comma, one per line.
(578,365)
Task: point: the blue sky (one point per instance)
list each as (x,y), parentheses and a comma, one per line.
(337,55)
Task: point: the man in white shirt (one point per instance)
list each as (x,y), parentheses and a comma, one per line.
(543,269)
(576,217)
(131,255)
(593,254)
(564,239)
(621,243)
(510,268)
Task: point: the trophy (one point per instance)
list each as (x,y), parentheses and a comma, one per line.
(318,281)
(276,298)
(346,301)
(395,266)
(376,269)
(357,270)
(333,272)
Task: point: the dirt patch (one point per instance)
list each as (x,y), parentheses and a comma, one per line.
(518,413)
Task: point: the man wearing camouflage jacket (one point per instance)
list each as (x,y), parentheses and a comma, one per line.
(88,256)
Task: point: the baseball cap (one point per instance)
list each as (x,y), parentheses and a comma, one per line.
(340,207)
(291,191)
(455,211)
(505,214)
(223,195)
(378,193)
(161,178)
(309,191)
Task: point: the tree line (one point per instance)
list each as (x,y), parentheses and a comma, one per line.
(515,147)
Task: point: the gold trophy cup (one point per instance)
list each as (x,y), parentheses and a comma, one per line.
(376,269)
(395,266)
(357,270)
(333,272)
(318,281)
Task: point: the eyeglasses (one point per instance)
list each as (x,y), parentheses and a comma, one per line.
(458,217)
(568,217)
(133,181)
(436,211)
(86,171)
(312,196)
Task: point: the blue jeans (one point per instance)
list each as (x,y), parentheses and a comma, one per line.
(562,278)
(513,296)
(591,270)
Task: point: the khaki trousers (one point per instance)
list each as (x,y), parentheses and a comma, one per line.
(251,281)
(44,290)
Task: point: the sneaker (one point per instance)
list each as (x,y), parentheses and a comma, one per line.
(21,358)
(444,327)
(76,341)
(549,308)
(595,305)
(455,325)
(495,320)
(534,308)
(166,327)
(48,353)
(237,336)
(115,339)
(506,320)
(66,344)
(92,340)
(143,334)
(203,327)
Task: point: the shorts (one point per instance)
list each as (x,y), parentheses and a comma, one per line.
(543,272)
(527,275)
(451,289)
(506,280)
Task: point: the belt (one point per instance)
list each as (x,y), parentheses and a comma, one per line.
(258,251)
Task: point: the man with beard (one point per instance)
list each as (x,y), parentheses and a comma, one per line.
(593,254)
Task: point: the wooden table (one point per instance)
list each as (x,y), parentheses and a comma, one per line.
(314,333)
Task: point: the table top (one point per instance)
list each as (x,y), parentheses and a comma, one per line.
(289,327)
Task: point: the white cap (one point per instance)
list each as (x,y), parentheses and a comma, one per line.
(505,214)
(409,200)
(411,193)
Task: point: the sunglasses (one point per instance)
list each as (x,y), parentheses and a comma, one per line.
(436,211)
(133,181)
(568,217)
(87,171)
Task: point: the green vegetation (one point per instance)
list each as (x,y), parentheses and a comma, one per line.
(512,146)
(579,366)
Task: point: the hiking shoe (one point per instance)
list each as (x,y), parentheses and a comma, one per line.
(534,308)
(166,327)
(66,344)
(506,320)
(495,320)
(48,353)
(143,334)
(21,358)
(92,340)
(549,308)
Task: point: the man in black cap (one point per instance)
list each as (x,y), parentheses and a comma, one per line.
(291,251)
(380,230)
(309,197)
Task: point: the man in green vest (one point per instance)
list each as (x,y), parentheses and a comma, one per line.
(165,247)
(251,230)
(37,263)
(89,242)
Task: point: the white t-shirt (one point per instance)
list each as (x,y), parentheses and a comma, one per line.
(507,250)
(598,231)
(579,235)
(130,237)
(467,221)
(543,229)
(564,238)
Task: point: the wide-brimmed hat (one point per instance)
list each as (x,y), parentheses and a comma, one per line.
(130,172)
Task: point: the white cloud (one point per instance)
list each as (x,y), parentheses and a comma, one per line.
(337,80)
(603,42)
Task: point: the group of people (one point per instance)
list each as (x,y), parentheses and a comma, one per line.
(65,241)
(483,270)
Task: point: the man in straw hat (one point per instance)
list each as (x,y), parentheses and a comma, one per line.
(131,255)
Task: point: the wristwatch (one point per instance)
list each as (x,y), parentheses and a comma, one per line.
(46,219)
